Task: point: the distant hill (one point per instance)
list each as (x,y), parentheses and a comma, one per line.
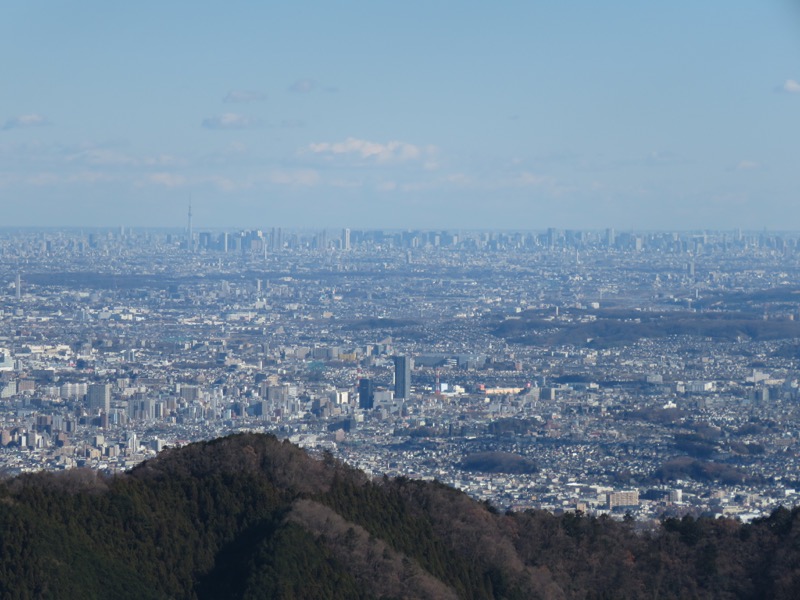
(249,516)
(498,462)
(616,327)
(381,323)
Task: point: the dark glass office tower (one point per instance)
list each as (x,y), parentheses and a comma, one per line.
(366,394)
(402,377)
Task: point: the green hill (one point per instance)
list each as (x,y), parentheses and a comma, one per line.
(249,516)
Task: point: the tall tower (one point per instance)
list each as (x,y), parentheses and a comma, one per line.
(189,232)
(402,377)
(18,287)
(345,239)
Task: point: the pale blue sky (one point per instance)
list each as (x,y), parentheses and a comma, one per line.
(584,114)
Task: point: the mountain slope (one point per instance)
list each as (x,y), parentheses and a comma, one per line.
(249,516)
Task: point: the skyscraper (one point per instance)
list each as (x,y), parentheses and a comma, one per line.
(366,394)
(402,377)
(345,239)
(98,397)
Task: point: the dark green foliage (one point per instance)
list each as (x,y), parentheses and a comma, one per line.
(277,561)
(381,323)
(498,462)
(685,467)
(384,511)
(620,327)
(291,564)
(252,517)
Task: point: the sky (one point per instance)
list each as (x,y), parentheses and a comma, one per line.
(385,114)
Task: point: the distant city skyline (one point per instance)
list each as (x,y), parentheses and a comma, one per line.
(375,115)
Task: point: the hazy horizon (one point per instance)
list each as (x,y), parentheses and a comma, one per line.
(396,116)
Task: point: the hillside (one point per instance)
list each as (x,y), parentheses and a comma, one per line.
(249,516)
(604,328)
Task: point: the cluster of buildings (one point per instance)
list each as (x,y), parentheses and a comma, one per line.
(649,373)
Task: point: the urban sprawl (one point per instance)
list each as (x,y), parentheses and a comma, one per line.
(649,374)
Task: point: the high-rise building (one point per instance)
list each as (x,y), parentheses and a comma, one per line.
(98,397)
(345,239)
(402,377)
(676,495)
(626,498)
(366,394)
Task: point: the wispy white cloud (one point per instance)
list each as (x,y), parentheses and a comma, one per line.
(108,157)
(44,178)
(244,96)
(169,180)
(89,177)
(393,151)
(236,148)
(230,121)
(22,121)
(294,177)
(747,165)
(51,178)
(791,86)
(459,179)
(528,179)
(111,157)
(345,183)
(163,160)
(226,184)
(303,86)
(220,182)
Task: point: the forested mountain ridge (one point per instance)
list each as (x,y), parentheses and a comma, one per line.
(249,516)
